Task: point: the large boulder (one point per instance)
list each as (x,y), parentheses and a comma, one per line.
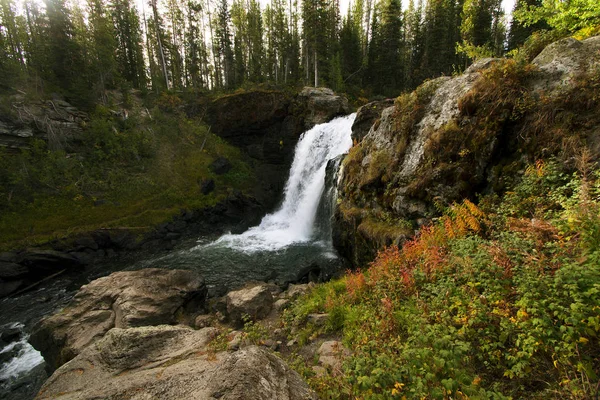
(562,61)
(254,302)
(172,362)
(322,105)
(122,300)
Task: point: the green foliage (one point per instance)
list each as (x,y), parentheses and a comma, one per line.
(564,16)
(255,333)
(498,304)
(135,173)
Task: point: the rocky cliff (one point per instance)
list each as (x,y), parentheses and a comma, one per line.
(266,125)
(456,137)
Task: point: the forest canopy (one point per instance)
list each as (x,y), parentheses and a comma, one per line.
(379,47)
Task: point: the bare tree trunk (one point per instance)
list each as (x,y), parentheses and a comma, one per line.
(368,21)
(316,70)
(160,47)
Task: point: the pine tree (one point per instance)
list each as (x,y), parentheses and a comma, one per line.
(224,45)
(391,63)
(351,51)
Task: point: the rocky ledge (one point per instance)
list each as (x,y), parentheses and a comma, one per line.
(127,335)
(173,362)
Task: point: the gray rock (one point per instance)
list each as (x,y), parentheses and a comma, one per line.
(280,304)
(560,62)
(322,105)
(294,291)
(235,341)
(317,319)
(255,301)
(366,116)
(203,321)
(331,354)
(57,123)
(123,299)
(171,362)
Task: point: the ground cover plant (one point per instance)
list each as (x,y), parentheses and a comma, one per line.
(495,300)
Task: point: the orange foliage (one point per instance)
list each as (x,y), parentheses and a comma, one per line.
(428,249)
(355,283)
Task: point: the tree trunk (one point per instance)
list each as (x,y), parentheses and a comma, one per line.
(160,48)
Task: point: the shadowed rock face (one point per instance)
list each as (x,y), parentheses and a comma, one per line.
(122,300)
(266,125)
(172,362)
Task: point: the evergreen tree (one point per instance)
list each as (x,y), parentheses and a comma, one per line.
(390,80)
(224,45)
(351,51)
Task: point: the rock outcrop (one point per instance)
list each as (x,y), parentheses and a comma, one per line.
(321,105)
(173,362)
(253,302)
(366,116)
(55,121)
(122,300)
(455,137)
(20,270)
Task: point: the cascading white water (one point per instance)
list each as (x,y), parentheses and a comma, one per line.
(294,221)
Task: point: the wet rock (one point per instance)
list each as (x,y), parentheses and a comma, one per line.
(172,236)
(9,287)
(47,260)
(177,226)
(171,362)
(8,257)
(220,166)
(85,242)
(123,299)
(255,302)
(11,334)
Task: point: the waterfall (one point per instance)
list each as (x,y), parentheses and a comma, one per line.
(294,221)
